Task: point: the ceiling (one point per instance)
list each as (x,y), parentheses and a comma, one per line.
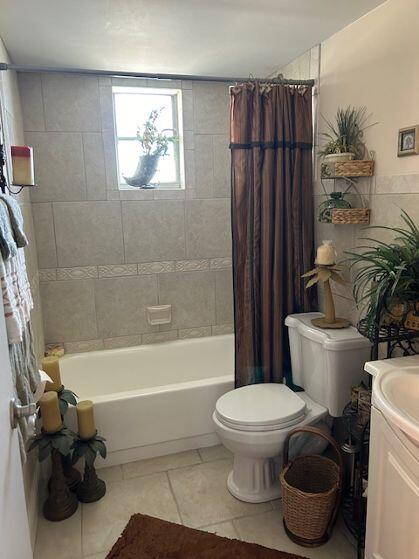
(206,37)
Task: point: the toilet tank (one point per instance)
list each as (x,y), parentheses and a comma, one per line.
(326,363)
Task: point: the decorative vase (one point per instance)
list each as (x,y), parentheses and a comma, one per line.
(339,157)
(92,488)
(61,502)
(146,169)
(335,201)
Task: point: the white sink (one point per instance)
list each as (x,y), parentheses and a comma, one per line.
(396,392)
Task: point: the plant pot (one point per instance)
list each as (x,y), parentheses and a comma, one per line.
(339,157)
(412,318)
(336,201)
(146,169)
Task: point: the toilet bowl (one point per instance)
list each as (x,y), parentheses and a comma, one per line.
(253,421)
(245,423)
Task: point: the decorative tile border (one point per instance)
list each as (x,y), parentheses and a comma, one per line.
(221,263)
(192,265)
(155,267)
(82,272)
(138,339)
(142,268)
(48,274)
(116,270)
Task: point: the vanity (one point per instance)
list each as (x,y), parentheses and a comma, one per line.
(393,490)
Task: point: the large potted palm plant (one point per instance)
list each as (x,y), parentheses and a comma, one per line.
(154,144)
(386,281)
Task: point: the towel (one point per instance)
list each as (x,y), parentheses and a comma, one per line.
(16,220)
(8,246)
(17,296)
(26,379)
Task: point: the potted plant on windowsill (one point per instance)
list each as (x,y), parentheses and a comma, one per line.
(344,139)
(154,144)
(386,283)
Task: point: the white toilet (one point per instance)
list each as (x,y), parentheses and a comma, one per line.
(253,421)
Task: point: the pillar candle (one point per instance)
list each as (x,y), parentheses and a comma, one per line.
(326,254)
(50,412)
(85,419)
(22,162)
(51,366)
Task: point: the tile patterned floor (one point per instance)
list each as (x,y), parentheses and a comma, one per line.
(188,488)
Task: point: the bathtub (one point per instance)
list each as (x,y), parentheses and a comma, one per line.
(153,400)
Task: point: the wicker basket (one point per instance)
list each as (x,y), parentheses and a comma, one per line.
(355,168)
(351,216)
(311,487)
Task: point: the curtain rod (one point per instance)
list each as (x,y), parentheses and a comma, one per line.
(84,71)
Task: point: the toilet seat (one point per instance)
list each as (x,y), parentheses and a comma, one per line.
(260,407)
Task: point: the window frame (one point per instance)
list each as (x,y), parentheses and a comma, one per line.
(177,117)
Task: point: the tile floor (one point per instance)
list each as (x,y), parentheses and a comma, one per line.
(188,488)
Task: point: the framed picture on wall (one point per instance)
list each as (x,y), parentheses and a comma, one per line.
(408,143)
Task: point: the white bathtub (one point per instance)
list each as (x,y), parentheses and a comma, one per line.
(155,399)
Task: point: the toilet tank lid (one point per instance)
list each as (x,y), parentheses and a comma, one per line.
(334,340)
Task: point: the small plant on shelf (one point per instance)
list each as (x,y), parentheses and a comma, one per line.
(344,138)
(386,281)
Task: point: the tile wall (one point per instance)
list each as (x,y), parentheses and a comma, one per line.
(106,254)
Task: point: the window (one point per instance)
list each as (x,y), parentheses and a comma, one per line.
(132,108)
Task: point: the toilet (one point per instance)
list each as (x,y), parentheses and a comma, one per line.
(253,421)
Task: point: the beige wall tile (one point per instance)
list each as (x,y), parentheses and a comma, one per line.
(208,230)
(224,296)
(222,329)
(159,337)
(153,230)
(82,272)
(71,103)
(188,110)
(32,104)
(94,166)
(201,332)
(59,167)
(211,107)
(45,237)
(204,166)
(222,180)
(88,233)
(192,296)
(69,310)
(121,304)
(84,346)
(121,341)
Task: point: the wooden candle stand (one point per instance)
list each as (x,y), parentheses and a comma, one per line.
(329,320)
(61,502)
(91,488)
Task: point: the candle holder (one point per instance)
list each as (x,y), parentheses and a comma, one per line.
(91,488)
(323,273)
(66,397)
(61,502)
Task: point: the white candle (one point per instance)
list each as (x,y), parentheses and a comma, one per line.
(326,254)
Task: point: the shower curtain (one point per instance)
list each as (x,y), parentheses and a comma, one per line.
(272,222)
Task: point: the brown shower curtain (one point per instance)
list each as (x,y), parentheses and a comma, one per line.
(272,222)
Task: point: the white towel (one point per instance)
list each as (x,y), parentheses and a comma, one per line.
(17,297)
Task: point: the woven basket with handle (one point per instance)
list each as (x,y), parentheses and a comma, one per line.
(311,487)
